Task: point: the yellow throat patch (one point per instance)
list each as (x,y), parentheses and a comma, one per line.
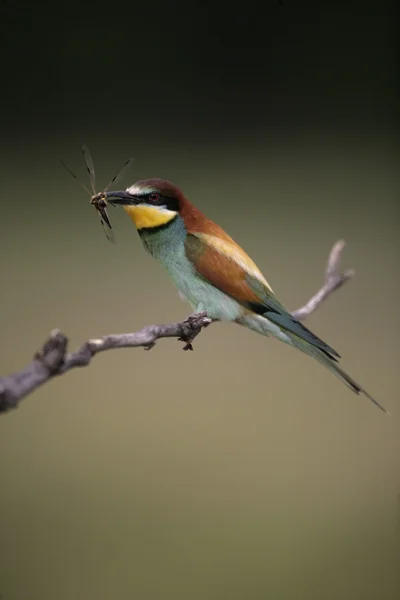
(147,217)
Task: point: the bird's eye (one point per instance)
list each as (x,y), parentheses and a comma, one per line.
(154,197)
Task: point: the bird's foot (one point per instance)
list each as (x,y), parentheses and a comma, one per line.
(192,326)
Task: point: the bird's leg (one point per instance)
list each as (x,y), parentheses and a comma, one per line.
(192,326)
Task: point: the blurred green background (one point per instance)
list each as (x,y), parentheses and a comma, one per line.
(243,470)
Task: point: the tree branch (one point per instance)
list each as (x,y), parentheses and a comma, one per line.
(53,359)
(333,281)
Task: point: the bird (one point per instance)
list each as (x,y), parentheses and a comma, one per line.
(213,273)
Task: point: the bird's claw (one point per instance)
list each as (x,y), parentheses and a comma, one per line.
(191,328)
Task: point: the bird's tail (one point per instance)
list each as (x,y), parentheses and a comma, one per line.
(312,346)
(331,363)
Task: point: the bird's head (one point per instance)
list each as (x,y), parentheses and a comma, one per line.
(151,203)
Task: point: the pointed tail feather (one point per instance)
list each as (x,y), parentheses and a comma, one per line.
(332,365)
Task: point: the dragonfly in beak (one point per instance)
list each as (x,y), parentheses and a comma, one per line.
(99,199)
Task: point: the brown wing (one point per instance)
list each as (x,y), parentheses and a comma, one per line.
(226,266)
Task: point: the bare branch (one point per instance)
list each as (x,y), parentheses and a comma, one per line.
(333,281)
(53,359)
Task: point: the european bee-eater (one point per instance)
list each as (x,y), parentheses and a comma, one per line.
(212,271)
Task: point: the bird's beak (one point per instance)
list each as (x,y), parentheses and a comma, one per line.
(122,198)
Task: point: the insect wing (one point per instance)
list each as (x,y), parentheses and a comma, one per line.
(90,167)
(108,231)
(75,177)
(105,222)
(120,174)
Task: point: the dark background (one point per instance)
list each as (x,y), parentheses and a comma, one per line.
(244,469)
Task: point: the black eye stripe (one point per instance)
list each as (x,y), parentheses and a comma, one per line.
(158,199)
(154,198)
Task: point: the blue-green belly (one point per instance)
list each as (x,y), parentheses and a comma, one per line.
(167,247)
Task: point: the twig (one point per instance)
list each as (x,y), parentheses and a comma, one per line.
(54,360)
(333,281)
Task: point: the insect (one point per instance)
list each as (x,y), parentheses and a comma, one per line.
(99,199)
